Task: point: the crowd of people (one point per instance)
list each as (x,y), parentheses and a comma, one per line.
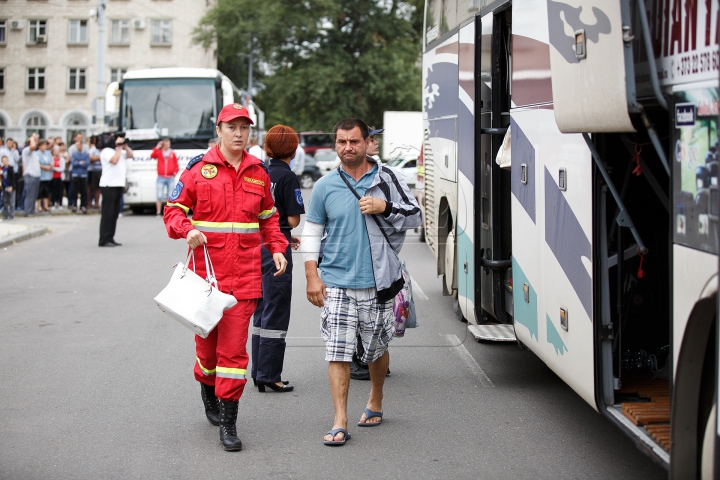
(45,175)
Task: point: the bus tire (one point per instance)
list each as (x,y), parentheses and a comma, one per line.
(306,181)
(457,310)
(448,277)
(693,389)
(137,210)
(707,462)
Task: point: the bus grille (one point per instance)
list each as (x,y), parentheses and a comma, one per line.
(431,234)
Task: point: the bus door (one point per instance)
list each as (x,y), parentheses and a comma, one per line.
(492,195)
(465,232)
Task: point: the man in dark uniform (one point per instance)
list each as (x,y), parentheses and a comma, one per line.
(272,314)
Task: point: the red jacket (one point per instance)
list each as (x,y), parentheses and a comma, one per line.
(165,168)
(236,212)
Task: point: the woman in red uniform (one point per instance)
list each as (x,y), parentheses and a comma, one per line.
(233,213)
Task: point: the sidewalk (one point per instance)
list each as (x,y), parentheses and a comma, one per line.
(22,228)
(12,232)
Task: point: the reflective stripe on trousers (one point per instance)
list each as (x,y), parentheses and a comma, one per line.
(226,372)
(265,333)
(204,370)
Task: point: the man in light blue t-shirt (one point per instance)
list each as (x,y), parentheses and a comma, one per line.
(347,290)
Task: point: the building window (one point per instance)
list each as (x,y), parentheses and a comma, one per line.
(3,125)
(36,79)
(74,124)
(76,80)
(116,74)
(161,32)
(3,31)
(2,79)
(120,32)
(35,124)
(37,31)
(78,32)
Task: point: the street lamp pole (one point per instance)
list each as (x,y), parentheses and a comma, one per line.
(250,67)
(100,84)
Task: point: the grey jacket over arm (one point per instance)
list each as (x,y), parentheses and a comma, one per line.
(401,215)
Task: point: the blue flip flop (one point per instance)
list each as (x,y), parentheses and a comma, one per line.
(334,432)
(368,415)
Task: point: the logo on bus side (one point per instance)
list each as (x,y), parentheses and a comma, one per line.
(685,115)
(209,171)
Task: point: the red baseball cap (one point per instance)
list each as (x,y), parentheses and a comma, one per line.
(233,111)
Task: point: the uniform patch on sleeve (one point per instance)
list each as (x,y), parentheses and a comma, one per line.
(298,197)
(195,160)
(176,191)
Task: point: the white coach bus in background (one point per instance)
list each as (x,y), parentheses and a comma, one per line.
(179,103)
(571,200)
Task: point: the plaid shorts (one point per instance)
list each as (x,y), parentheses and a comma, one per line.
(349,312)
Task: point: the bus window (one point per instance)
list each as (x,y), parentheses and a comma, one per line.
(440,14)
(175,108)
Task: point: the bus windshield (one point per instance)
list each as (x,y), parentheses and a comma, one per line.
(169,107)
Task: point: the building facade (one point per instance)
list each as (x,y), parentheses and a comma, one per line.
(49,56)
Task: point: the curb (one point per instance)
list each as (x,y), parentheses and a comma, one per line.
(19,237)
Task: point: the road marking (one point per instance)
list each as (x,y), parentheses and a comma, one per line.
(468,360)
(416,285)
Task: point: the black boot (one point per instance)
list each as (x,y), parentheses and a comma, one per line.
(212,410)
(228,430)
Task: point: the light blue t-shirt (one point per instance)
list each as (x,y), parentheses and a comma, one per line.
(45,159)
(346,259)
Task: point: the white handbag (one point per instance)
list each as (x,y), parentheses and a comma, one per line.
(195,302)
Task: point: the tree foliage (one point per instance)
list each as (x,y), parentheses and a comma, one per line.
(321,60)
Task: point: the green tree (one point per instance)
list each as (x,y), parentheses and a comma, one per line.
(321,60)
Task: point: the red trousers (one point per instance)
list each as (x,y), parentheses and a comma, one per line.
(222,357)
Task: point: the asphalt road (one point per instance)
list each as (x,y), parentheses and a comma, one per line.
(97,383)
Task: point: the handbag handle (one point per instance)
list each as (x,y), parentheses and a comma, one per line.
(358,197)
(209,269)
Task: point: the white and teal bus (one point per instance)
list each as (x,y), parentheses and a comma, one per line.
(179,103)
(571,199)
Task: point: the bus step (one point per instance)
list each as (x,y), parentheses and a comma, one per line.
(660,432)
(493,333)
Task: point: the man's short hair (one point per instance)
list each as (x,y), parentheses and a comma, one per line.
(349,124)
(166,139)
(42,141)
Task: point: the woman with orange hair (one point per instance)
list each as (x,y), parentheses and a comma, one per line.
(272,314)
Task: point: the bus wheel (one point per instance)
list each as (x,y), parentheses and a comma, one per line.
(137,210)
(306,181)
(708,447)
(457,309)
(449,275)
